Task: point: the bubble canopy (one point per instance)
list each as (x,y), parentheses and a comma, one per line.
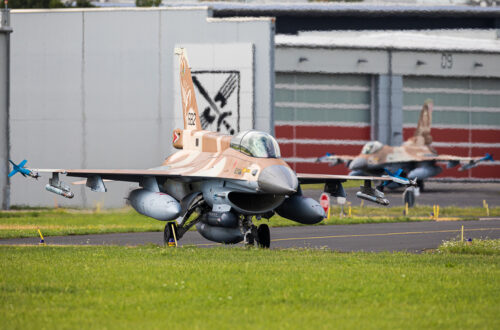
(371,147)
(256,144)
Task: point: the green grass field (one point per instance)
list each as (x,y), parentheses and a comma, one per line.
(190,288)
(24,223)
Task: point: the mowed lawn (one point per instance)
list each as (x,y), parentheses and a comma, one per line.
(24,223)
(189,288)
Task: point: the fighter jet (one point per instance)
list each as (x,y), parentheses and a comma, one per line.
(416,159)
(218,183)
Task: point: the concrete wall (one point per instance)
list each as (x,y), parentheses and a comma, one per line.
(95,89)
(5,31)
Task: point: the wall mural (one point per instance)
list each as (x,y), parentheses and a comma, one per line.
(219,106)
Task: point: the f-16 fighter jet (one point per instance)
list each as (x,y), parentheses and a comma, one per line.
(220,183)
(416,159)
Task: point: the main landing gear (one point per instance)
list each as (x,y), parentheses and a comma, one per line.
(173,232)
(260,235)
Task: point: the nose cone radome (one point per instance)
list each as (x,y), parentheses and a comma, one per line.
(278,179)
(358,163)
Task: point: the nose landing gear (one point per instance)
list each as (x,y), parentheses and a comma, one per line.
(260,235)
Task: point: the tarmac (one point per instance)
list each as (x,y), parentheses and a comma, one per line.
(411,236)
(443,194)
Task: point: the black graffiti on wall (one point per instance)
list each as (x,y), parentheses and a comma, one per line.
(220,106)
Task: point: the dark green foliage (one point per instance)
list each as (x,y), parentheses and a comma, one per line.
(83,4)
(148,3)
(26,4)
(51,4)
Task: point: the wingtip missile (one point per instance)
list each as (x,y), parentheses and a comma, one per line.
(329,158)
(396,177)
(19,168)
(487,157)
(475,162)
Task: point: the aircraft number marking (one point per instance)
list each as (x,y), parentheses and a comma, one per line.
(446,61)
(191,118)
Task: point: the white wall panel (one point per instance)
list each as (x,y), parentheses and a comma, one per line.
(215,66)
(94,88)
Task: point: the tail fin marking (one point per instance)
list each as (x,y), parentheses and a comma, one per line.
(424,124)
(189,105)
(422,134)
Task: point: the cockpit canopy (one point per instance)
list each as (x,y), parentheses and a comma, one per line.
(371,147)
(256,144)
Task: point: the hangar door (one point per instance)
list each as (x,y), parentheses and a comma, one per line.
(319,113)
(465,119)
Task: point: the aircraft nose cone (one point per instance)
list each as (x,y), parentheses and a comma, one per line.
(278,179)
(358,163)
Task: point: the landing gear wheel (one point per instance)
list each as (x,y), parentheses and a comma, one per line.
(169,239)
(249,239)
(409,196)
(264,236)
(420,185)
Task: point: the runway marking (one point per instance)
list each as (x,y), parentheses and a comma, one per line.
(368,235)
(384,234)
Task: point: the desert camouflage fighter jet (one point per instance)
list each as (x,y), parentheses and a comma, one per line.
(220,183)
(416,159)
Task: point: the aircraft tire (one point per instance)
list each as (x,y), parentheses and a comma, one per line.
(409,197)
(420,184)
(264,236)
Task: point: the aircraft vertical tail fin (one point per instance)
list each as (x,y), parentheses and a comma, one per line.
(189,106)
(422,135)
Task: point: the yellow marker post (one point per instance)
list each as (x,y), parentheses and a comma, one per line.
(98,207)
(462,239)
(406,209)
(42,241)
(362,203)
(485,205)
(175,236)
(329,208)
(437,212)
(350,213)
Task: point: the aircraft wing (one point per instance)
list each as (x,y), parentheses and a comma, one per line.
(115,175)
(325,178)
(467,162)
(333,185)
(95,179)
